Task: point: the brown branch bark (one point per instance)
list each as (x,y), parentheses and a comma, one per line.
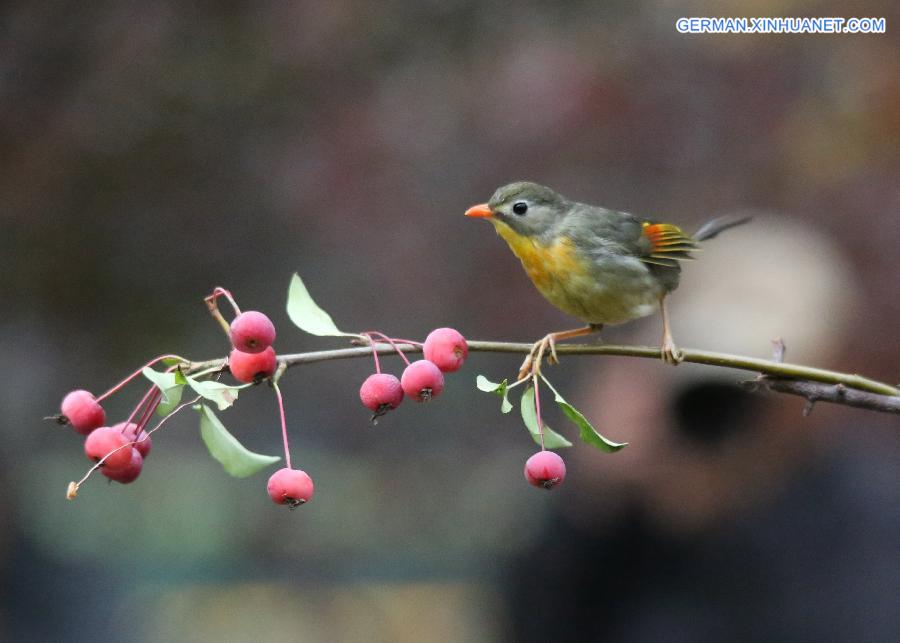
(834,393)
(814,384)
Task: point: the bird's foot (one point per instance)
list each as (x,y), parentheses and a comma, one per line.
(550,340)
(670,353)
(532,363)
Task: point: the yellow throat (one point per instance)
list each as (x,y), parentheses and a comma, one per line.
(547,265)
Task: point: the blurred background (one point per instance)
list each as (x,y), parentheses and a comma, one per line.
(151,151)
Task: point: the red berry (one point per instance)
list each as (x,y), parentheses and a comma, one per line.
(252,367)
(129,472)
(104,441)
(252,332)
(142,442)
(290,487)
(422,381)
(446,348)
(380,393)
(82,411)
(545,469)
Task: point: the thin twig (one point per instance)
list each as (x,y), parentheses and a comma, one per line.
(886,396)
(213,306)
(835,393)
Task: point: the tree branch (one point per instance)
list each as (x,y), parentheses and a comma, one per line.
(818,392)
(814,384)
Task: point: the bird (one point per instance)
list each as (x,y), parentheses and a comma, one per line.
(601,266)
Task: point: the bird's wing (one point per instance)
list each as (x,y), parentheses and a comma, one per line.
(664,244)
(611,231)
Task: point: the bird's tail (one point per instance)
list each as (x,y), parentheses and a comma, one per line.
(711,228)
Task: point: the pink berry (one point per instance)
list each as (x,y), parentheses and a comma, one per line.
(252,367)
(380,393)
(290,487)
(142,442)
(129,472)
(422,381)
(545,469)
(106,440)
(82,411)
(252,332)
(446,348)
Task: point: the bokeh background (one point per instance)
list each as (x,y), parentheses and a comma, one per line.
(150,151)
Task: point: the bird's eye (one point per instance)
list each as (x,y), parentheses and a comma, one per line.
(520,207)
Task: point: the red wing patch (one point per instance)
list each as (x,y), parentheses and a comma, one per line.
(668,244)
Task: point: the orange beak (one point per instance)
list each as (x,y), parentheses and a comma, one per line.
(481,211)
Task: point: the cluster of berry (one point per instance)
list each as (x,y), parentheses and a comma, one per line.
(445,350)
(252,360)
(118,451)
(121,447)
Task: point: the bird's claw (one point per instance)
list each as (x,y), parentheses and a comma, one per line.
(552,358)
(670,353)
(532,364)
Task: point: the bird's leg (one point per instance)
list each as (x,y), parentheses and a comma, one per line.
(552,338)
(532,363)
(668,351)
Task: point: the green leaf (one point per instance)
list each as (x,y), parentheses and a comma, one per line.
(174,399)
(588,433)
(486,385)
(501,389)
(170,386)
(171,361)
(306,314)
(225,448)
(222,394)
(552,439)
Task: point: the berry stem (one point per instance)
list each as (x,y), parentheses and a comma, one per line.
(149,410)
(390,341)
(408,341)
(213,306)
(153,361)
(218,291)
(284,436)
(374,355)
(537,408)
(150,392)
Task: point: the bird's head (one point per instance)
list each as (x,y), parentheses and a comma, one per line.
(528,209)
